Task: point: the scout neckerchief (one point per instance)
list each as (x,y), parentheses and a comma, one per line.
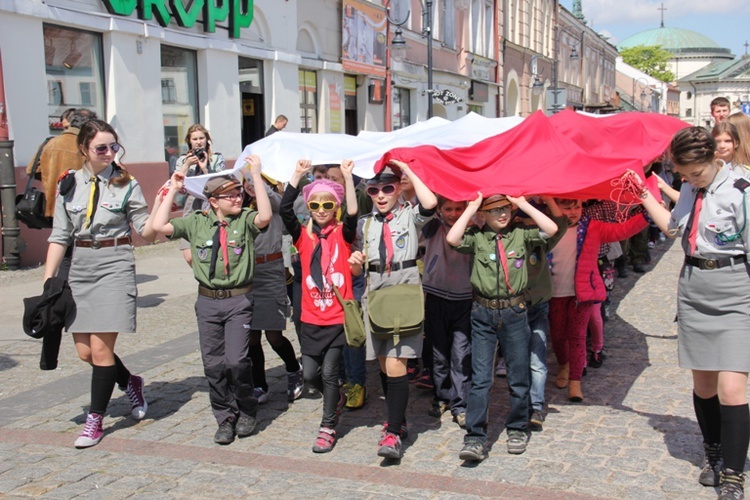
(320,262)
(385,248)
(503,261)
(693,222)
(219,240)
(93,200)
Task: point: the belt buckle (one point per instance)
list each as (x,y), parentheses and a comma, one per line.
(221,294)
(96,244)
(493,303)
(710,264)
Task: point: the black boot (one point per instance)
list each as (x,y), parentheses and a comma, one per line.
(711,465)
(732,485)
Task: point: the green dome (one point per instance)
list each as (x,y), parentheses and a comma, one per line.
(676,40)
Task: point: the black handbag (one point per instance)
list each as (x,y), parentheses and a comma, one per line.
(31,205)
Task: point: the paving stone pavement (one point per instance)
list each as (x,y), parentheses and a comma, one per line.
(634,436)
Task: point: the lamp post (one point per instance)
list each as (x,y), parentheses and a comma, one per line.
(399,44)
(643,86)
(555,70)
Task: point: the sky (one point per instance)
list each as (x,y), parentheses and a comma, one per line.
(727,22)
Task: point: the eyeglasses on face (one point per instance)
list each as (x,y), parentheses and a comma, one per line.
(498,211)
(387,189)
(102,149)
(314,206)
(230,196)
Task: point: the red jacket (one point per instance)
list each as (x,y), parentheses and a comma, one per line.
(591,233)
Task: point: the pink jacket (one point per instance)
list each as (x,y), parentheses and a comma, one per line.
(591,233)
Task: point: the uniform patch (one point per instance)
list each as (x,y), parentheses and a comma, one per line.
(237,250)
(202,254)
(533,259)
(209,243)
(492,257)
(519,263)
(401,242)
(720,241)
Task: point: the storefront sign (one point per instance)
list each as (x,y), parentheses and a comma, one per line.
(482,69)
(446,97)
(238,12)
(363,38)
(480,92)
(334,106)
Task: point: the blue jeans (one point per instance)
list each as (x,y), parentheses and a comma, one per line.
(538,317)
(488,327)
(354,364)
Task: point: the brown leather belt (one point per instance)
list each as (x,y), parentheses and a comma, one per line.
(714,263)
(224,293)
(269,257)
(111,242)
(500,303)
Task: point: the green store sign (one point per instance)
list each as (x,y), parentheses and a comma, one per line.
(238,12)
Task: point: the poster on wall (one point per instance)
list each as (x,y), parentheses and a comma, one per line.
(364,38)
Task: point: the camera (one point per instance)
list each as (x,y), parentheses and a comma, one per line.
(200,153)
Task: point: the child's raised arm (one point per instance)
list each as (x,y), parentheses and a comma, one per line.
(456,233)
(427,199)
(265,212)
(159,217)
(347,167)
(546,225)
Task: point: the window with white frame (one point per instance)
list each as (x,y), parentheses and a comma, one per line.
(179,93)
(482,20)
(448,23)
(401,109)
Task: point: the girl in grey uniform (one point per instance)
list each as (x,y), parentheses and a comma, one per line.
(94,211)
(271,308)
(392,263)
(713,301)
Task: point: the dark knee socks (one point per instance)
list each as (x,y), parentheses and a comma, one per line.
(123,374)
(735,435)
(384,384)
(103,379)
(397,399)
(708,414)
(286,352)
(258,360)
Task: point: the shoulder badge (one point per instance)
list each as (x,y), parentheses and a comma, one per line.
(66,182)
(742,184)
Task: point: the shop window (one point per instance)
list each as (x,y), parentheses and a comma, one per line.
(689,113)
(308,101)
(401,108)
(179,93)
(75,76)
(475,109)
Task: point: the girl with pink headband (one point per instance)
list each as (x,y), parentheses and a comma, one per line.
(324,248)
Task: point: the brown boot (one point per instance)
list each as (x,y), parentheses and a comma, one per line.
(574,391)
(563,372)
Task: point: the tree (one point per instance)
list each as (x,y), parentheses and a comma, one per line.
(651,59)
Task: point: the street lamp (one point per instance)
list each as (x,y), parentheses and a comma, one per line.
(537,87)
(555,70)
(643,86)
(399,44)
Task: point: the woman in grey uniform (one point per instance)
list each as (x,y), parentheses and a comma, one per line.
(271,308)
(94,211)
(713,301)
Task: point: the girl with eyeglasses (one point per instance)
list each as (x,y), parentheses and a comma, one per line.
(94,212)
(390,240)
(324,248)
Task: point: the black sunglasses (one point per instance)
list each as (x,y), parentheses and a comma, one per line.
(103,148)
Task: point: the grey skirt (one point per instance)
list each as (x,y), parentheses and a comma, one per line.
(271,308)
(408,347)
(713,318)
(103,285)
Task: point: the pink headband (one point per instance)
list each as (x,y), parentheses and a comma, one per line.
(324,186)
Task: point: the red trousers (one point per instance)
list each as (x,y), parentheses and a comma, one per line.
(568,326)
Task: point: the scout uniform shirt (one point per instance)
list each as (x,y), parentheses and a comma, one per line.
(722,227)
(117,208)
(199,228)
(487,276)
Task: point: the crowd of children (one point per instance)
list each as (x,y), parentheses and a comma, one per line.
(496,271)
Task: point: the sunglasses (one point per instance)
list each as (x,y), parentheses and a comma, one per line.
(230,196)
(387,189)
(498,211)
(314,206)
(103,148)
